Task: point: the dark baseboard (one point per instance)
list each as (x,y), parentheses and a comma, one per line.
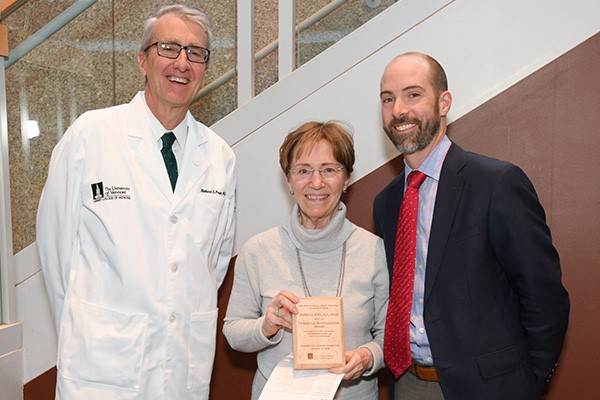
(42,387)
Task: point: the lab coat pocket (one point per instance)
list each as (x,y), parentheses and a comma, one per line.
(102,346)
(203,330)
(211,217)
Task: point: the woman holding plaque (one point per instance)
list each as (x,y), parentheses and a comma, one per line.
(317,252)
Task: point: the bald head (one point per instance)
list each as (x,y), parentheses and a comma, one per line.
(436,74)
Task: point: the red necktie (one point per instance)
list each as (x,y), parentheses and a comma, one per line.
(397,333)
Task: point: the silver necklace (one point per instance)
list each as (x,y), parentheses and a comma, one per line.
(340,278)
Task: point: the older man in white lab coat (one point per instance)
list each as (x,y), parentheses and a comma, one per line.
(133,260)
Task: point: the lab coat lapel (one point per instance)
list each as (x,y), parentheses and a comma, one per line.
(143,146)
(195,159)
(448,196)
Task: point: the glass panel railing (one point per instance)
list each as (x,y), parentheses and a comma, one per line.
(218,103)
(266,31)
(326,22)
(90,63)
(320,24)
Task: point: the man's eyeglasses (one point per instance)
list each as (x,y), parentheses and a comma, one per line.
(304,173)
(195,54)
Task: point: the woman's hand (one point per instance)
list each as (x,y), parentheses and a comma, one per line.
(279,313)
(357,362)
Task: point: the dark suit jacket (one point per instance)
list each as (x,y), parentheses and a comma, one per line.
(495,310)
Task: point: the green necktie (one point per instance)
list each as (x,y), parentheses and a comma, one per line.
(170,162)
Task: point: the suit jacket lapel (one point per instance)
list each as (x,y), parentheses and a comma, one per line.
(396,201)
(449,191)
(389,210)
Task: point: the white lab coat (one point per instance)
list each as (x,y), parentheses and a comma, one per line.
(132,269)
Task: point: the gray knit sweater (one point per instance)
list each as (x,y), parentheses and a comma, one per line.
(267,264)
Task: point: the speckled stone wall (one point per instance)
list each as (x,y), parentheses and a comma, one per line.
(90,63)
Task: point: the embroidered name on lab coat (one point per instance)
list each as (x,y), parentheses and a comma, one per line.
(213,191)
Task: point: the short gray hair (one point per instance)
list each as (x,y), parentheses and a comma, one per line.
(192,14)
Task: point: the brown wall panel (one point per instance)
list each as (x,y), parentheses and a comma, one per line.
(549,125)
(233,371)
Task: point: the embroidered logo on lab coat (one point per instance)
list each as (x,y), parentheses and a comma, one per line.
(101,192)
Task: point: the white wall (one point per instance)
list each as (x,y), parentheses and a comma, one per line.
(485,47)
(11,362)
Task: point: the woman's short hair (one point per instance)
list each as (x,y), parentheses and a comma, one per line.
(182,11)
(308,135)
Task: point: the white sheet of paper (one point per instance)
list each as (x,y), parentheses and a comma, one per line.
(307,384)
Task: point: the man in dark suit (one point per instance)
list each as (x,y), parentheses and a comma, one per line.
(488,311)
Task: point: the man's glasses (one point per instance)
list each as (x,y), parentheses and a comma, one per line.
(195,54)
(304,173)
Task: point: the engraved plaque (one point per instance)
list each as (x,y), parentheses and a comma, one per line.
(318,333)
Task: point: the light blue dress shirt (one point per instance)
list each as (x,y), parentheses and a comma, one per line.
(432,167)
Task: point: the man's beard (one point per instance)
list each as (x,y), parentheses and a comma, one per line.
(409,144)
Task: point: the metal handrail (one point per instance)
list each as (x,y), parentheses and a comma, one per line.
(47,30)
